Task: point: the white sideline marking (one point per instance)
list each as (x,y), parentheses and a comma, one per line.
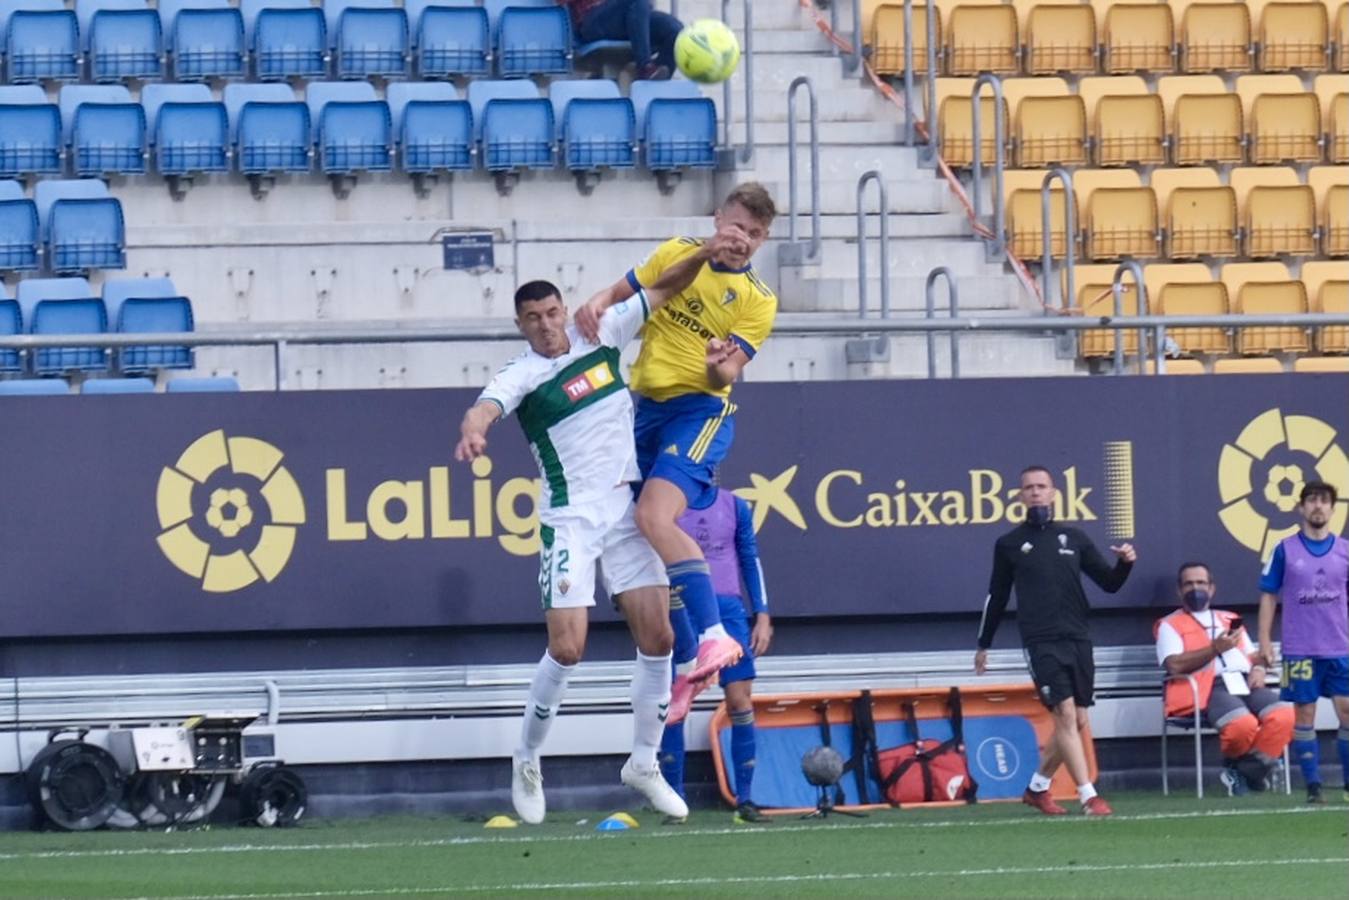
(671,832)
(712,881)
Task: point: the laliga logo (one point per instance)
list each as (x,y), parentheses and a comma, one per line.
(230,474)
(1262,472)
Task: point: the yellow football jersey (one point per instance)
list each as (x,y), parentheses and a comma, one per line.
(720,303)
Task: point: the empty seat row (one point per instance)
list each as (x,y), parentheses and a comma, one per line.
(185,131)
(33,387)
(1188,289)
(69,306)
(202,39)
(1261,212)
(1040,38)
(1188,120)
(72,226)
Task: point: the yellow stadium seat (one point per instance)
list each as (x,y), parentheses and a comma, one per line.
(1293,36)
(887,38)
(1331,186)
(1283,121)
(955,123)
(1049,122)
(982,38)
(1334,93)
(1158,275)
(1178,367)
(1205,120)
(1342,38)
(1025,221)
(1127,123)
(1121,222)
(1321,364)
(1215,37)
(1138,37)
(1267,289)
(1199,214)
(1060,37)
(1261,365)
(1328,292)
(1095,299)
(1277,211)
(1196,299)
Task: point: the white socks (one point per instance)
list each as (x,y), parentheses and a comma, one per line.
(650,705)
(1039,783)
(717,631)
(545,695)
(1086,791)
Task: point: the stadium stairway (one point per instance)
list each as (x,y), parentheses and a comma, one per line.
(303,257)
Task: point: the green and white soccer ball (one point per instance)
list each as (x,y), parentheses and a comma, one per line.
(707,51)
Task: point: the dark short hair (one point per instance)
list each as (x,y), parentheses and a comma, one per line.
(1318,488)
(1036,468)
(533,291)
(1194,565)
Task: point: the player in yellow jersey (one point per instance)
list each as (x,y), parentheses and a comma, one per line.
(693,350)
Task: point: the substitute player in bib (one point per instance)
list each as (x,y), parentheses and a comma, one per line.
(572,404)
(1309,574)
(692,352)
(724,530)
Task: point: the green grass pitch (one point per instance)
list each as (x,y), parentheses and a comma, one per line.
(1261,846)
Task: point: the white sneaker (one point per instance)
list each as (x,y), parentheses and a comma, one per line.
(527,791)
(653,786)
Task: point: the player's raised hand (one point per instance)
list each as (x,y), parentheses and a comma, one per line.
(1125,552)
(730,245)
(471,445)
(718,351)
(588,317)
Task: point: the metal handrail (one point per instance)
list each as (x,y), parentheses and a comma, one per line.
(854,59)
(930,114)
(815,236)
(873,175)
(1069,243)
(953,304)
(746,153)
(995,241)
(1117,293)
(910,126)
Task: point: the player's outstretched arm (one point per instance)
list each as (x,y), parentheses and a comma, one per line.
(473,430)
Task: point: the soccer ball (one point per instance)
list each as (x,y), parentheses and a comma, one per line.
(707,51)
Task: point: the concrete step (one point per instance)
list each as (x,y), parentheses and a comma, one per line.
(779,70)
(844,104)
(981,293)
(839,198)
(846,163)
(778,15)
(842,134)
(909,255)
(843,228)
(795,40)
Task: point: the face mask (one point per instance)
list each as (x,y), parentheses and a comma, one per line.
(1196,600)
(1039,516)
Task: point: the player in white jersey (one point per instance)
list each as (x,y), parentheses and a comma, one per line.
(569,396)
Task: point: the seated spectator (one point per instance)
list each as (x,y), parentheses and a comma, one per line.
(651,33)
(1254,725)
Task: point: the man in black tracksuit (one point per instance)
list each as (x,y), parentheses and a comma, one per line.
(1044,561)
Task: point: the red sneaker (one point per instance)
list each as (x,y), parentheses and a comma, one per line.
(1097,806)
(1043,802)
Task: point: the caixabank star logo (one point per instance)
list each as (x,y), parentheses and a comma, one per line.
(1261,473)
(228,511)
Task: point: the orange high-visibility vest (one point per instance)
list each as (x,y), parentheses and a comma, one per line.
(1179,698)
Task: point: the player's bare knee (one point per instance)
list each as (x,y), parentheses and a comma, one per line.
(566,651)
(657,641)
(738,696)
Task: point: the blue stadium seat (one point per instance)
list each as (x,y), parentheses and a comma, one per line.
(204,385)
(367,37)
(123,39)
(204,37)
(432,125)
(532,37)
(449,37)
(19,234)
(596,124)
(11,323)
(352,127)
(118,386)
(189,129)
(149,306)
(514,124)
(288,39)
(63,306)
(34,387)
(270,128)
(676,124)
(103,129)
(81,224)
(42,40)
(30,132)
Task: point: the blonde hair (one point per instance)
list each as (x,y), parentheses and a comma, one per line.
(756,200)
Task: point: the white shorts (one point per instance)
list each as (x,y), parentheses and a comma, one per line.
(601,534)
